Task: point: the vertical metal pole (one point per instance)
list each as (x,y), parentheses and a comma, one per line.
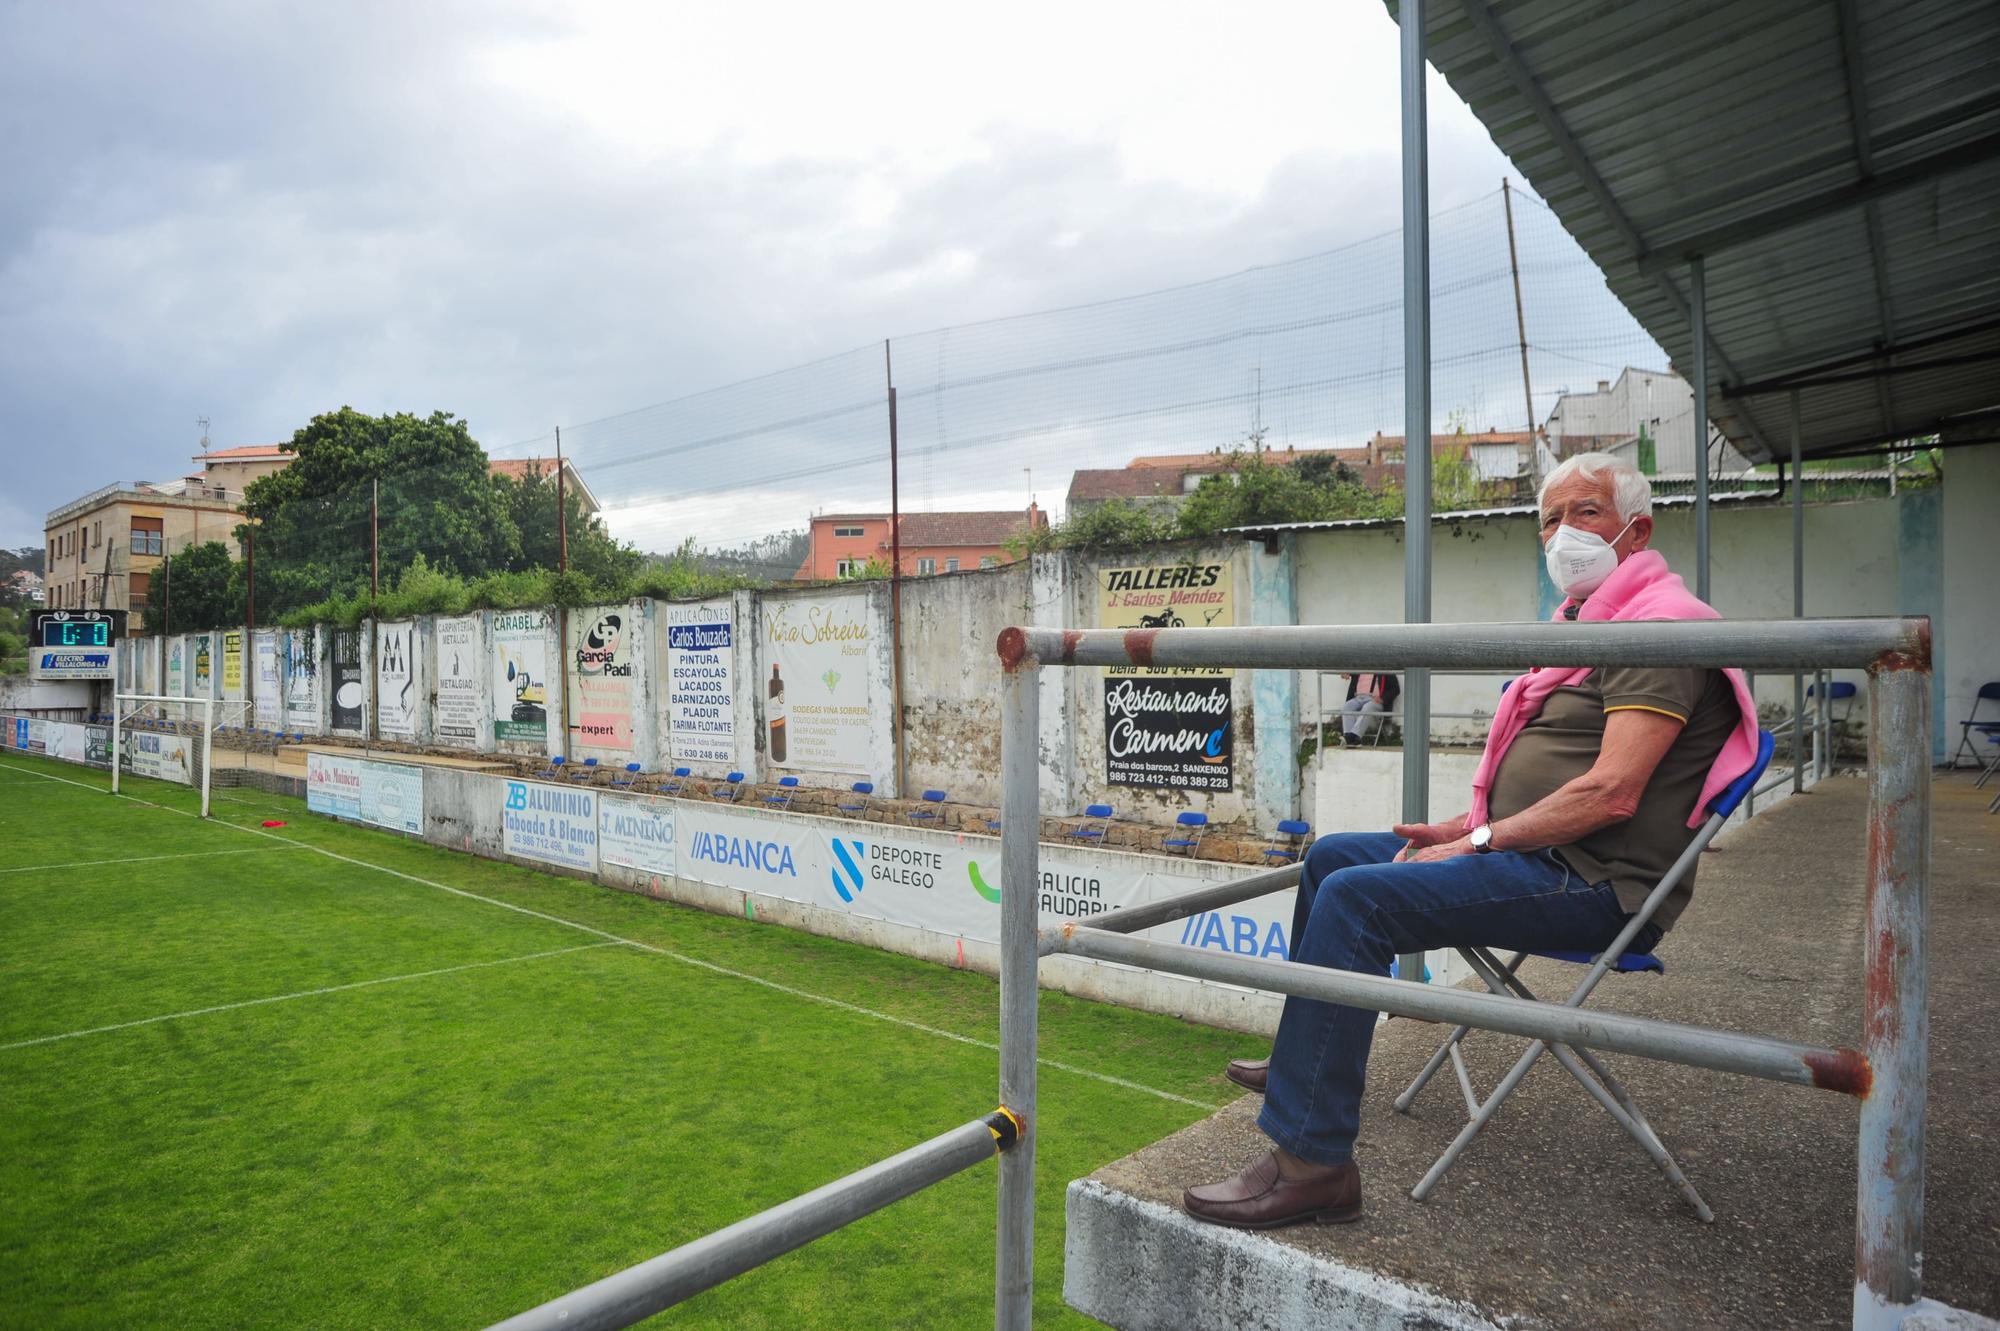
(1698,317)
(1798,599)
(1416,424)
(1020,829)
(207,747)
(114,722)
(1889,1214)
(1533,470)
(895,578)
(1824,712)
(1750,797)
(250,583)
(375,539)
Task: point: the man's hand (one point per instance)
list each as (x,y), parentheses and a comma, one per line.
(1429,836)
(1445,851)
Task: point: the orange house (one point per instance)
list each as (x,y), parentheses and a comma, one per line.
(931,542)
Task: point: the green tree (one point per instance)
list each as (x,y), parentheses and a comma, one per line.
(530,504)
(437,499)
(200,587)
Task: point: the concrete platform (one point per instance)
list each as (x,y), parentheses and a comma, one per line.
(1554,1218)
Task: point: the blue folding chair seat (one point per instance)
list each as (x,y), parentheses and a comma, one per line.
(731,787)
(553,772)
(1589,1071)
(919,816)
(624,780)
(1187,842)
(1294,836)
(781,798)
(582,773)
(672,785)
(863,792)
(1095,826)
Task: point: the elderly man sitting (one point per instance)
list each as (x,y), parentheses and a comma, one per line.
(1590,787)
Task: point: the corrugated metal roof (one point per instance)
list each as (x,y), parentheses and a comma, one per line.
(1838,164)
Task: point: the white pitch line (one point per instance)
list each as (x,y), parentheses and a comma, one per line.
(841,1004)
(145,859)
(303,993)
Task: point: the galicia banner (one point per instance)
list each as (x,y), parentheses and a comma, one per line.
(1168,732)
(553,824)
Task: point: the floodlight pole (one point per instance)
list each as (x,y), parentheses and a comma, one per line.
(1698,318)
(1416,425)
(1798,601)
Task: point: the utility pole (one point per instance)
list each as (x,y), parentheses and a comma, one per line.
(562,510)
(250,578)
(375,539)
(895,568)
(104,584)
(1533,469)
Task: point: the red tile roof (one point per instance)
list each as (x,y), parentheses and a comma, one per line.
(247,453)
(924,530)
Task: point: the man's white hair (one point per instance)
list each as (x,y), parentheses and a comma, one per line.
(1631,492)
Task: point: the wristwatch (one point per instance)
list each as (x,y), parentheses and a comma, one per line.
(1482,838)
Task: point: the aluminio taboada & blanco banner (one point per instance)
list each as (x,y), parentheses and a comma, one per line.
(553,824)
(818,713)
(701,683)
(459,665)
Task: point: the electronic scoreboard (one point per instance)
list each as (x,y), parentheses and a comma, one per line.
(73,644)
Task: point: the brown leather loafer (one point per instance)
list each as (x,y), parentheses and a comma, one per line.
(1249,1073)
(1261,1198)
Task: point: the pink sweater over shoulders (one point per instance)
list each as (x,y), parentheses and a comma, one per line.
(1640,588)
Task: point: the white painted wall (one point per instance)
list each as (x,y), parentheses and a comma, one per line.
(1968,638)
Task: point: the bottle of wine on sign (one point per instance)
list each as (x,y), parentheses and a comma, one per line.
(774,711)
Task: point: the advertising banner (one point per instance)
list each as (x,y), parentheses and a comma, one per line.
(817,712)
(97,745)
(54,663)
(396,680)
(751,852)
(333,785)
(392,796)
(553,824)
(1168,727)
(458,719)
(162,757)
(350,691)
(268,708)
(521,676)
(636,833)
(601,673)
(31,735)
(202,652)
(701,683)
(1168,732)
(176,668)
(298,665)
(64,740)
(232,666)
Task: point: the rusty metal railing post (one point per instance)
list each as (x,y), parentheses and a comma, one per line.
(1020,833)
(1889,1212)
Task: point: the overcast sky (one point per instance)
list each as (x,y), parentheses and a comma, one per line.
(538,215)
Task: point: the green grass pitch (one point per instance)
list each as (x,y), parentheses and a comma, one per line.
(245,1083)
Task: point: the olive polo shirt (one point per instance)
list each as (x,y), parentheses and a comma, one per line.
(1562,742)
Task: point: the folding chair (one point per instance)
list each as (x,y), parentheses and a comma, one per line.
(626,779)
(1095,826)
(781,798)
(920,816)
(863,790)
(1579,1062)
(1989,692)
(582,773)
(672,785)
(1192,825)
(731,787)
(554,771)
(1838,691)
(1991,734)
(1290,843)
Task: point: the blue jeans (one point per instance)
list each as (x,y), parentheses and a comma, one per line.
(1357,910)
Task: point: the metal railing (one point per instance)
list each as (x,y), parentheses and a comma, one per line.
(1887,1074)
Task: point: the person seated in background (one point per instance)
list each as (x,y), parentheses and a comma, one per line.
(1591,785)
(1368,697)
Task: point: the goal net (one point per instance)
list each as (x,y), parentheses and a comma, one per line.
(166,739)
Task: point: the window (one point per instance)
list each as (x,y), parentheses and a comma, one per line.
(951,566)
(926,565)
(843,567)
(97,533)
(849,531)
(147,538)
(137,588)
(989,561)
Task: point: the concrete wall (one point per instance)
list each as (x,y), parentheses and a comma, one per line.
(951,678)
(1967,638)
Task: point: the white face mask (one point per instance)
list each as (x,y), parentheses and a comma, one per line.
(1579,561)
